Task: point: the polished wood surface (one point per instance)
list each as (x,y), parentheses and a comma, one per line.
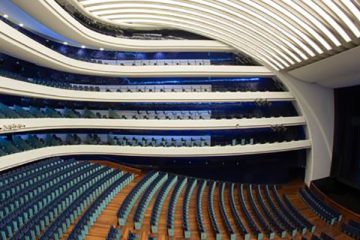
(108,217)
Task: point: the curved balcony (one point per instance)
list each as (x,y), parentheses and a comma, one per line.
(35,90)
(18,45)
(17,159)
(64,23)
(39,124)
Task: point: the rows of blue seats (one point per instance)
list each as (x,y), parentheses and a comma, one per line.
(132,197)
(16,111)
(352,229)
(253,226)
(323,236)
(239,223)
(273,223)
(211,211)
(89,216)
(146,198)
(224,216)
(48,112)
(199,211)
(47,209)
(20,144)
(159,202)
(278,214)
(113,233)
(24,205)
(185,207)
(37,196)
(297,215)
(262,222)
(294,223)
(76,208)
(172,205)
(320,208)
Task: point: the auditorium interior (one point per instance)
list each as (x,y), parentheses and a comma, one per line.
(179,119)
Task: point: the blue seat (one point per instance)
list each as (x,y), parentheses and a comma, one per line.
(172,204)
(254,228)
(223,213)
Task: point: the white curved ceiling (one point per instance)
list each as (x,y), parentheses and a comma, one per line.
(281,34)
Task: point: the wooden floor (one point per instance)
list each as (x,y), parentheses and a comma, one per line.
(108,217)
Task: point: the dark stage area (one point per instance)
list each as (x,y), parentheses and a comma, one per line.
(341,193)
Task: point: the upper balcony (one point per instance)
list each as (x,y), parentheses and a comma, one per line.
(124,58)
(65,24)
(23,47)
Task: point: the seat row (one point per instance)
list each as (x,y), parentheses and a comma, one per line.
(142,88)
(147,197)
(157,62)
(278,215)
(273,215)
(185,207)
(274,223)
(352,229)
(19,143)
(224,216)
(133,196)
(41,200)
(269,233)
(113,233)
(88,218)
(297,223)
(270,216)
(326,213)
(235,214)
(74,210)
(182,181)
(155,213)
(48,112)
(24,143)
(243,87)
(199,211)
(211,211)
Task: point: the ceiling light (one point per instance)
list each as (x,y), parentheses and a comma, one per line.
(65,43)
(21,24)
(101,49)
(5,16)
(83,46)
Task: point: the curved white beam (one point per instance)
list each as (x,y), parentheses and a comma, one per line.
(17,44)
(303,30)
(21,88)
(59,20)
(37,124)
(16,159)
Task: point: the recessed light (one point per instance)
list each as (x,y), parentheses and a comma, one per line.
(65,43)
(83,46)
(21,24)
(5,16)
(101,49)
